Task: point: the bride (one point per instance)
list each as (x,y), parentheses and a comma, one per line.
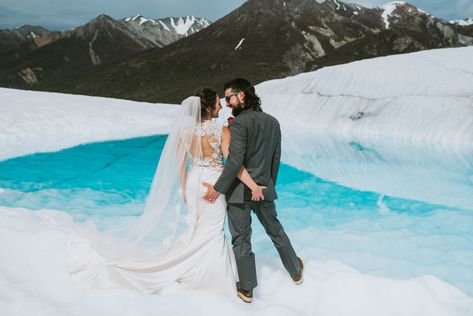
(179,239)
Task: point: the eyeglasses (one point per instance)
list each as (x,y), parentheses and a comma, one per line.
(228,97)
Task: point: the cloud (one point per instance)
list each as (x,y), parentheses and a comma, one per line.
(12,18)
(9,17)
(464,7)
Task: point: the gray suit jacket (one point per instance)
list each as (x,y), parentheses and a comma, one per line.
(255,144)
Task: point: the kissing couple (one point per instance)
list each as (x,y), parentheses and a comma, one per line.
(179,239)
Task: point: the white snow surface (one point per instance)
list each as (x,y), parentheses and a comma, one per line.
(141,18)
(389,8)
(337,4)
(182,26)
(424,97)
(389,106)
(35,281)
(164,26)
(133,18)
(239,44)
(463,22)
(41,122)
(144,20)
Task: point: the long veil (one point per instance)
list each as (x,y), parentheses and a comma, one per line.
(164,219)
(165,225)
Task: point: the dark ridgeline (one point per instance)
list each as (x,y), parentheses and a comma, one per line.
(18,42)
(34,58)
(281,38)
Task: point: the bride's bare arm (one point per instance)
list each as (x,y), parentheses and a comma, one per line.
(243,174)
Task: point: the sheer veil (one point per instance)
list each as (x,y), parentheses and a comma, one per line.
(165,223)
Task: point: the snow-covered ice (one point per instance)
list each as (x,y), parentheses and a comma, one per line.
(34,281)
(39,122)
(419,98)
(383,106)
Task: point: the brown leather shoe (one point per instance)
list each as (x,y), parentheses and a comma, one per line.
(246,296)
(299,278)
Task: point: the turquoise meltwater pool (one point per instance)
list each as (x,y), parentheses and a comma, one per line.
(397,213)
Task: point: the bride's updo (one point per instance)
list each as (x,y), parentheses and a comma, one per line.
(208,99)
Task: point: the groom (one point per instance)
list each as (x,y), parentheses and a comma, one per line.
(255,144)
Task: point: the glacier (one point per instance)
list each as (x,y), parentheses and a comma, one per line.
(378,109)
(408,114)
(34,122)
(423,97)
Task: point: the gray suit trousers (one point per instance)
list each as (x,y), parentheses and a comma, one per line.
(239,222)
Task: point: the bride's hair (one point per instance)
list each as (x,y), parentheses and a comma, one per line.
(207,100)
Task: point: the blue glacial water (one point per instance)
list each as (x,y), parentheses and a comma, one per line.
(377,209)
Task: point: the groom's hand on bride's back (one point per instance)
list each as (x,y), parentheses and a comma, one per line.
(211,195)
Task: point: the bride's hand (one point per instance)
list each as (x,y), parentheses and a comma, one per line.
(257,193)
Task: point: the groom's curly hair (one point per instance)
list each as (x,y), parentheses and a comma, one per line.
(207,100)
(251,99)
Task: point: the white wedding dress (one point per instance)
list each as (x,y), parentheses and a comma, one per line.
(200,259)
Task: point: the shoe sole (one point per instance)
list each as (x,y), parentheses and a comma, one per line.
(302,272)
(299,282)
(244,298)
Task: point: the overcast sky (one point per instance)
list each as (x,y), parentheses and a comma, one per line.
(65,14)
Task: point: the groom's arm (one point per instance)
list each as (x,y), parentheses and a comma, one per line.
(276,158)
(236,156)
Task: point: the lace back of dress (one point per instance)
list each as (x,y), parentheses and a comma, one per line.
(209,134)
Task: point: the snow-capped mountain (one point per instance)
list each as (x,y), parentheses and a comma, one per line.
(261,40)
(393,12)
(182,25)
(43,55)
(463,22)
(166,31)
